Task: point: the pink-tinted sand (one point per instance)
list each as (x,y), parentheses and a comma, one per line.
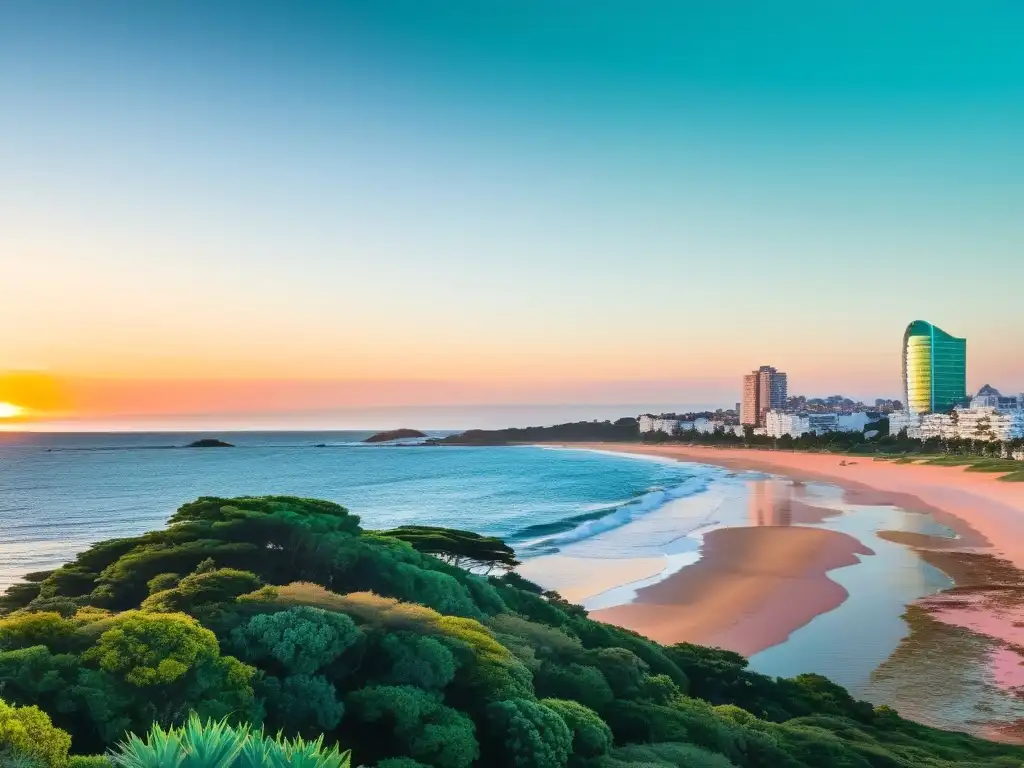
(986,513)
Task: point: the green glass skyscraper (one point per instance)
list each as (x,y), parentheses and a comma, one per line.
(934,368)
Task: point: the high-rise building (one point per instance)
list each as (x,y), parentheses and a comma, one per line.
(772,391)
(750,408)
(764,390)
(934,369)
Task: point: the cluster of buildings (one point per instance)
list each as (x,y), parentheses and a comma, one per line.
(935,386)
(935,402)
(672,424)
(770,411)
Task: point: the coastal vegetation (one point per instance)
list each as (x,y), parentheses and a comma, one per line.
(983,455)
(280,631)
(394,434)
(979,455)
(622,430)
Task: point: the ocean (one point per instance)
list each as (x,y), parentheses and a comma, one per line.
(61,492)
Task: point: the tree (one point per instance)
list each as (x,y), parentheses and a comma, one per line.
(26,733)
(464,549)
(304,704)
(623,670)
(591,736)
(525,734)
(412,722)
(417,660)
(161,666)
(217,585)
(301,640)
(573,681)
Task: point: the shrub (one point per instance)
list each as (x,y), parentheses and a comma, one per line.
(573,681)
(301,640)
(162,581)
(302,703)
(414,722)
(591,736)
(547,641)
(215,743)
(92,761)
(525,734)
(417,660)
(200,588)
(666,754)
(23,630)
(27,733)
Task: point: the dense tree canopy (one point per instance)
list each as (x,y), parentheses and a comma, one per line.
(285,614)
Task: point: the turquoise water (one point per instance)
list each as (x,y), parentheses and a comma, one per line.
(59,493)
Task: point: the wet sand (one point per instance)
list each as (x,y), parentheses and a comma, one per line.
(749,591)
(581,577)
(986,513)
(985,561)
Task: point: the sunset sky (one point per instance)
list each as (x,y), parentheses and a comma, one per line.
(253,209)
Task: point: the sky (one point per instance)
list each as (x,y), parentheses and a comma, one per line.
(261,209)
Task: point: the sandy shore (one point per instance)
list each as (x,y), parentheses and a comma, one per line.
(986,513)
(752,587)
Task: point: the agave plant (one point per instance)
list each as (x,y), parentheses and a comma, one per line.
(216,744)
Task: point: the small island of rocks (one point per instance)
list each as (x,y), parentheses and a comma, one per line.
(394,434)
(209,442)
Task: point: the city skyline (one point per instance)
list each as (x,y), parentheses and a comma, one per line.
(209,214)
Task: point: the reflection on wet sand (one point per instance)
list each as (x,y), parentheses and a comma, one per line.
(778,501)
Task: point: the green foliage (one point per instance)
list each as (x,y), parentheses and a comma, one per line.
(151,649)
(527,735)
(162,581)
(417,660)
(217,585)
(305,704)
(300,640)
(27,733)
(216,744)
(665,755)
(89,761)
(591,736)
(460,548)
(22,630)
(546,641)
(416,722)
(157,667)
(623,670)
(573,681)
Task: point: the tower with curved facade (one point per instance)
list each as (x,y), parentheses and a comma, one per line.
(934,368)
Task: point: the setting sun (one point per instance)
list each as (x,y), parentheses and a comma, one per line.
(10,410)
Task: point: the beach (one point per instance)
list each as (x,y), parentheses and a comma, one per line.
(749,590)
(753,587)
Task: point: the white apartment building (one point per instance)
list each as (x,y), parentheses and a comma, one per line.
(650,423)
(708,426)
(985,423)
(779,423)
(940,425)
(900,420)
